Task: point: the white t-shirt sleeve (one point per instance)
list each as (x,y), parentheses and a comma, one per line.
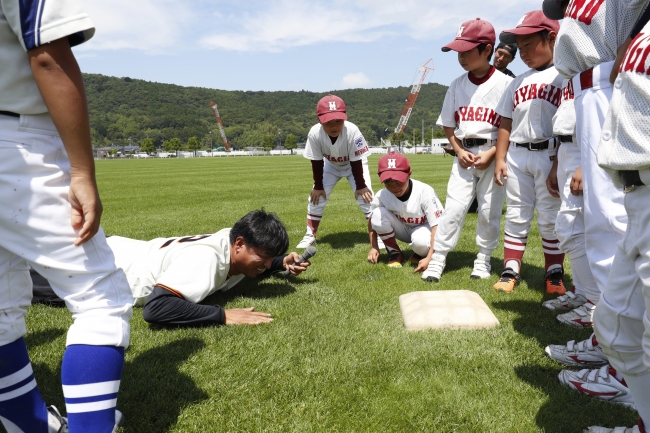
(191,273)
(313,149)
(448,112)
(505,107)
(431,206)
(358,149)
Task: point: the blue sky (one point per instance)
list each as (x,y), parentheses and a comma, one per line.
(284,44)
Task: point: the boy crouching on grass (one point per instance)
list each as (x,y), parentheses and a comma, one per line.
(407,210)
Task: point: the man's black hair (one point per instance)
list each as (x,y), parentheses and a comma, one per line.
(262,230)
(482,47)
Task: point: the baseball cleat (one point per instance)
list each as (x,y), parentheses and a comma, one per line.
(482,267)
(433,272)
(554,283)
(307,241)
(508,280)
(395,259)
(597,429)
(56,423)
(600,383)
(586,353)
(567,301)
(580,317)
(415,258)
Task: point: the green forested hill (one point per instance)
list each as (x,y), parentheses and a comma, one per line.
(123,107)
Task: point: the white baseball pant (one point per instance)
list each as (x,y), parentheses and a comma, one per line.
(331,176)
(605,218)
(35,230)
(621,321)
(419,237)
(464,184)
(526,190)
(570,223)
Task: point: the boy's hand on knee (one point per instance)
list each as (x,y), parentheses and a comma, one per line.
(373,255)
(365,193)
(315,195)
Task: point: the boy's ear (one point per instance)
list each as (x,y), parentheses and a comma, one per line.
(488,50)
(552,36)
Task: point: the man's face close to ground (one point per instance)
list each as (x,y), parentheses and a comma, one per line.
(502,58)
(247,260)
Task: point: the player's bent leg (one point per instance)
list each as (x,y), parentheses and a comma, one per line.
(389,229)
(421,240)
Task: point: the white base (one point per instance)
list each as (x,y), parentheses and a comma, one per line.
(446,309)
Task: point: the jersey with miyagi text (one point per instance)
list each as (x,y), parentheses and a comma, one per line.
(564,121)
(422,206)
(470,108)
(349,146)
(531,101)
(592,31)
(193,267)
(624,143)
(24,26)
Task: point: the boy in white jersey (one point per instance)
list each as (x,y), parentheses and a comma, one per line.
(337,150)
(50,213)
(622,322)
(471,126)
(407,210)
(526,149)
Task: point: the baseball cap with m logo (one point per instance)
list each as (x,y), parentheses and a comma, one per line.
(331,107)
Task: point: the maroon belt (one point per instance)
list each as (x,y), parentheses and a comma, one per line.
(587,79)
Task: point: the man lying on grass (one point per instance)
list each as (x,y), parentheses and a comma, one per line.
(170,276)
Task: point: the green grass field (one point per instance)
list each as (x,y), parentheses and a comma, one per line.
(337,357)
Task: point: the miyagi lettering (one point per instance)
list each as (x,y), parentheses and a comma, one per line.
(547,92)
(567,91)
(636,55)
(335,158)
(412,220)
(478,114)
(583,10)
(361,151)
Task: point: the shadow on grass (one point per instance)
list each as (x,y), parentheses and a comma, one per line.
(250,288)
(567,410)
(459,259)
(344,240)
(153,385)
(48,380)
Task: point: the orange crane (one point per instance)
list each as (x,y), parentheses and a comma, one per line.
(415,90)
(223,133)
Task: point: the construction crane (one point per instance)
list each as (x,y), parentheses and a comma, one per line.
(415,90)
(221,131)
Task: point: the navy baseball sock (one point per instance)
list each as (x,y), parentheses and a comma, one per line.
(91,379)
(22,406)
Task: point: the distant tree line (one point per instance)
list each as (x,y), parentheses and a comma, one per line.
(155,115)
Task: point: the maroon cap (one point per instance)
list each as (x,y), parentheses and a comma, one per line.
(531,22)
(394,166)
(331,107)
(553,9)
(471,34)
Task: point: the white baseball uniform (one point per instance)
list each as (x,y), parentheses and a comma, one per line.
(349,146)
(570,224)
(621,321)
(192,266)
(586,47)
(531,101)
(34,182)
(409,221)
(469,107)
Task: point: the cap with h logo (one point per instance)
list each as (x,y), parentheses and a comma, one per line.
(532,22)
(470,35)
(394,166)
(331,107)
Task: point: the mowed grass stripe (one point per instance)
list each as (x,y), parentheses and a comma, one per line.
(337,357)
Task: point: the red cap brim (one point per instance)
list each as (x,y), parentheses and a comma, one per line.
(399,176)
(460,46)
(334,115)
(510,36)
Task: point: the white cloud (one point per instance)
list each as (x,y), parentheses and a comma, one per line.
(146,25)
(275,26)
(355,80)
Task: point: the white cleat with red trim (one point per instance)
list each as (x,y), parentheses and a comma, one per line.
(586,353)
(581,317)
(600,383)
